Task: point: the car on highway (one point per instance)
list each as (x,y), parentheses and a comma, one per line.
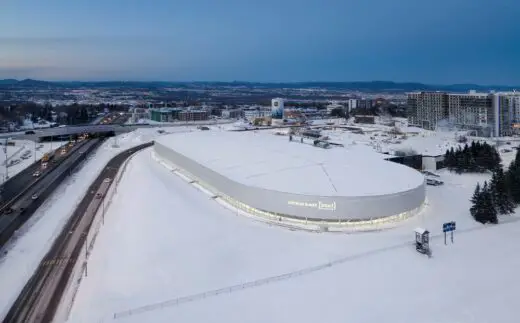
(63,151)
(44,165)
(99,195)
(107,180)
(36,173)
(34,197)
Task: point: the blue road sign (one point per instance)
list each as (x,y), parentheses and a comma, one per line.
(449,227)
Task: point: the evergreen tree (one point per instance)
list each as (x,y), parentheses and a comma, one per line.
(496,160)
(473,148)
(513,181)
(476,194)
(488,206)
(517,156)
(483,210)
(500,193)
(447,159)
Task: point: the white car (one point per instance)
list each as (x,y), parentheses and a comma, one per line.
(107,180)
(36,174)
(35,196)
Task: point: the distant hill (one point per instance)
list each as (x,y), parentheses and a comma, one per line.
(373,86)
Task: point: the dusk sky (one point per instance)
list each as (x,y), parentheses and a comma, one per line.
(442,41)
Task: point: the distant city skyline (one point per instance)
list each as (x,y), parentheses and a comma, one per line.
(442,42)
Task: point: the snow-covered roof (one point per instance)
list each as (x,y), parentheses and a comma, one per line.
(420,230)
(261,159)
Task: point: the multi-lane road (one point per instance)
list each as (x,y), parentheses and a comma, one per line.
(29,197)
(25,178)
(42,294)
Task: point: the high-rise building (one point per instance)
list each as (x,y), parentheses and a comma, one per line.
(426,109)
(473,111)
(277,107)
(352,104)
(507,105)
(488,114)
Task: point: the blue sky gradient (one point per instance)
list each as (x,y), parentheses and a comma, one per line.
(442,41)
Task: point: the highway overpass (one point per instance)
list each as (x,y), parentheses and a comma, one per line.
(55,133)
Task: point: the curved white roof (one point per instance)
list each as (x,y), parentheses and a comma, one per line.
(269,161)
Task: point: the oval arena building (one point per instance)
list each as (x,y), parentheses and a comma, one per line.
(271,175)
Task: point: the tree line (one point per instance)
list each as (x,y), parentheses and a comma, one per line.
(476,158)
(66,114)
(498,197)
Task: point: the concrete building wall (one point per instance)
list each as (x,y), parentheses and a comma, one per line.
(297,205)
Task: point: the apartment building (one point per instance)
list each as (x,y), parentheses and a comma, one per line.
(488,114)
(426,109)
(473,111)
(194,115)
(164,114)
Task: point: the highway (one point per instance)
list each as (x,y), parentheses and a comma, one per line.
(18,182)
(42,294)
(21,207)
(63,167)
(25,178)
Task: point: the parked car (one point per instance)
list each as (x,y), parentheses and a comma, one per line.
(99,195)
(434,182)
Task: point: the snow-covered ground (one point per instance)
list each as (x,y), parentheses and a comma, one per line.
(21,257)
(167,245)
(15,153)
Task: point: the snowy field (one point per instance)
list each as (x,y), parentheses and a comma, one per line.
(21,257)
(14,153)
(168,245)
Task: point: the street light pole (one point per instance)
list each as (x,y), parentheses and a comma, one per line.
(103,211)
(5,151)
(86,257)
